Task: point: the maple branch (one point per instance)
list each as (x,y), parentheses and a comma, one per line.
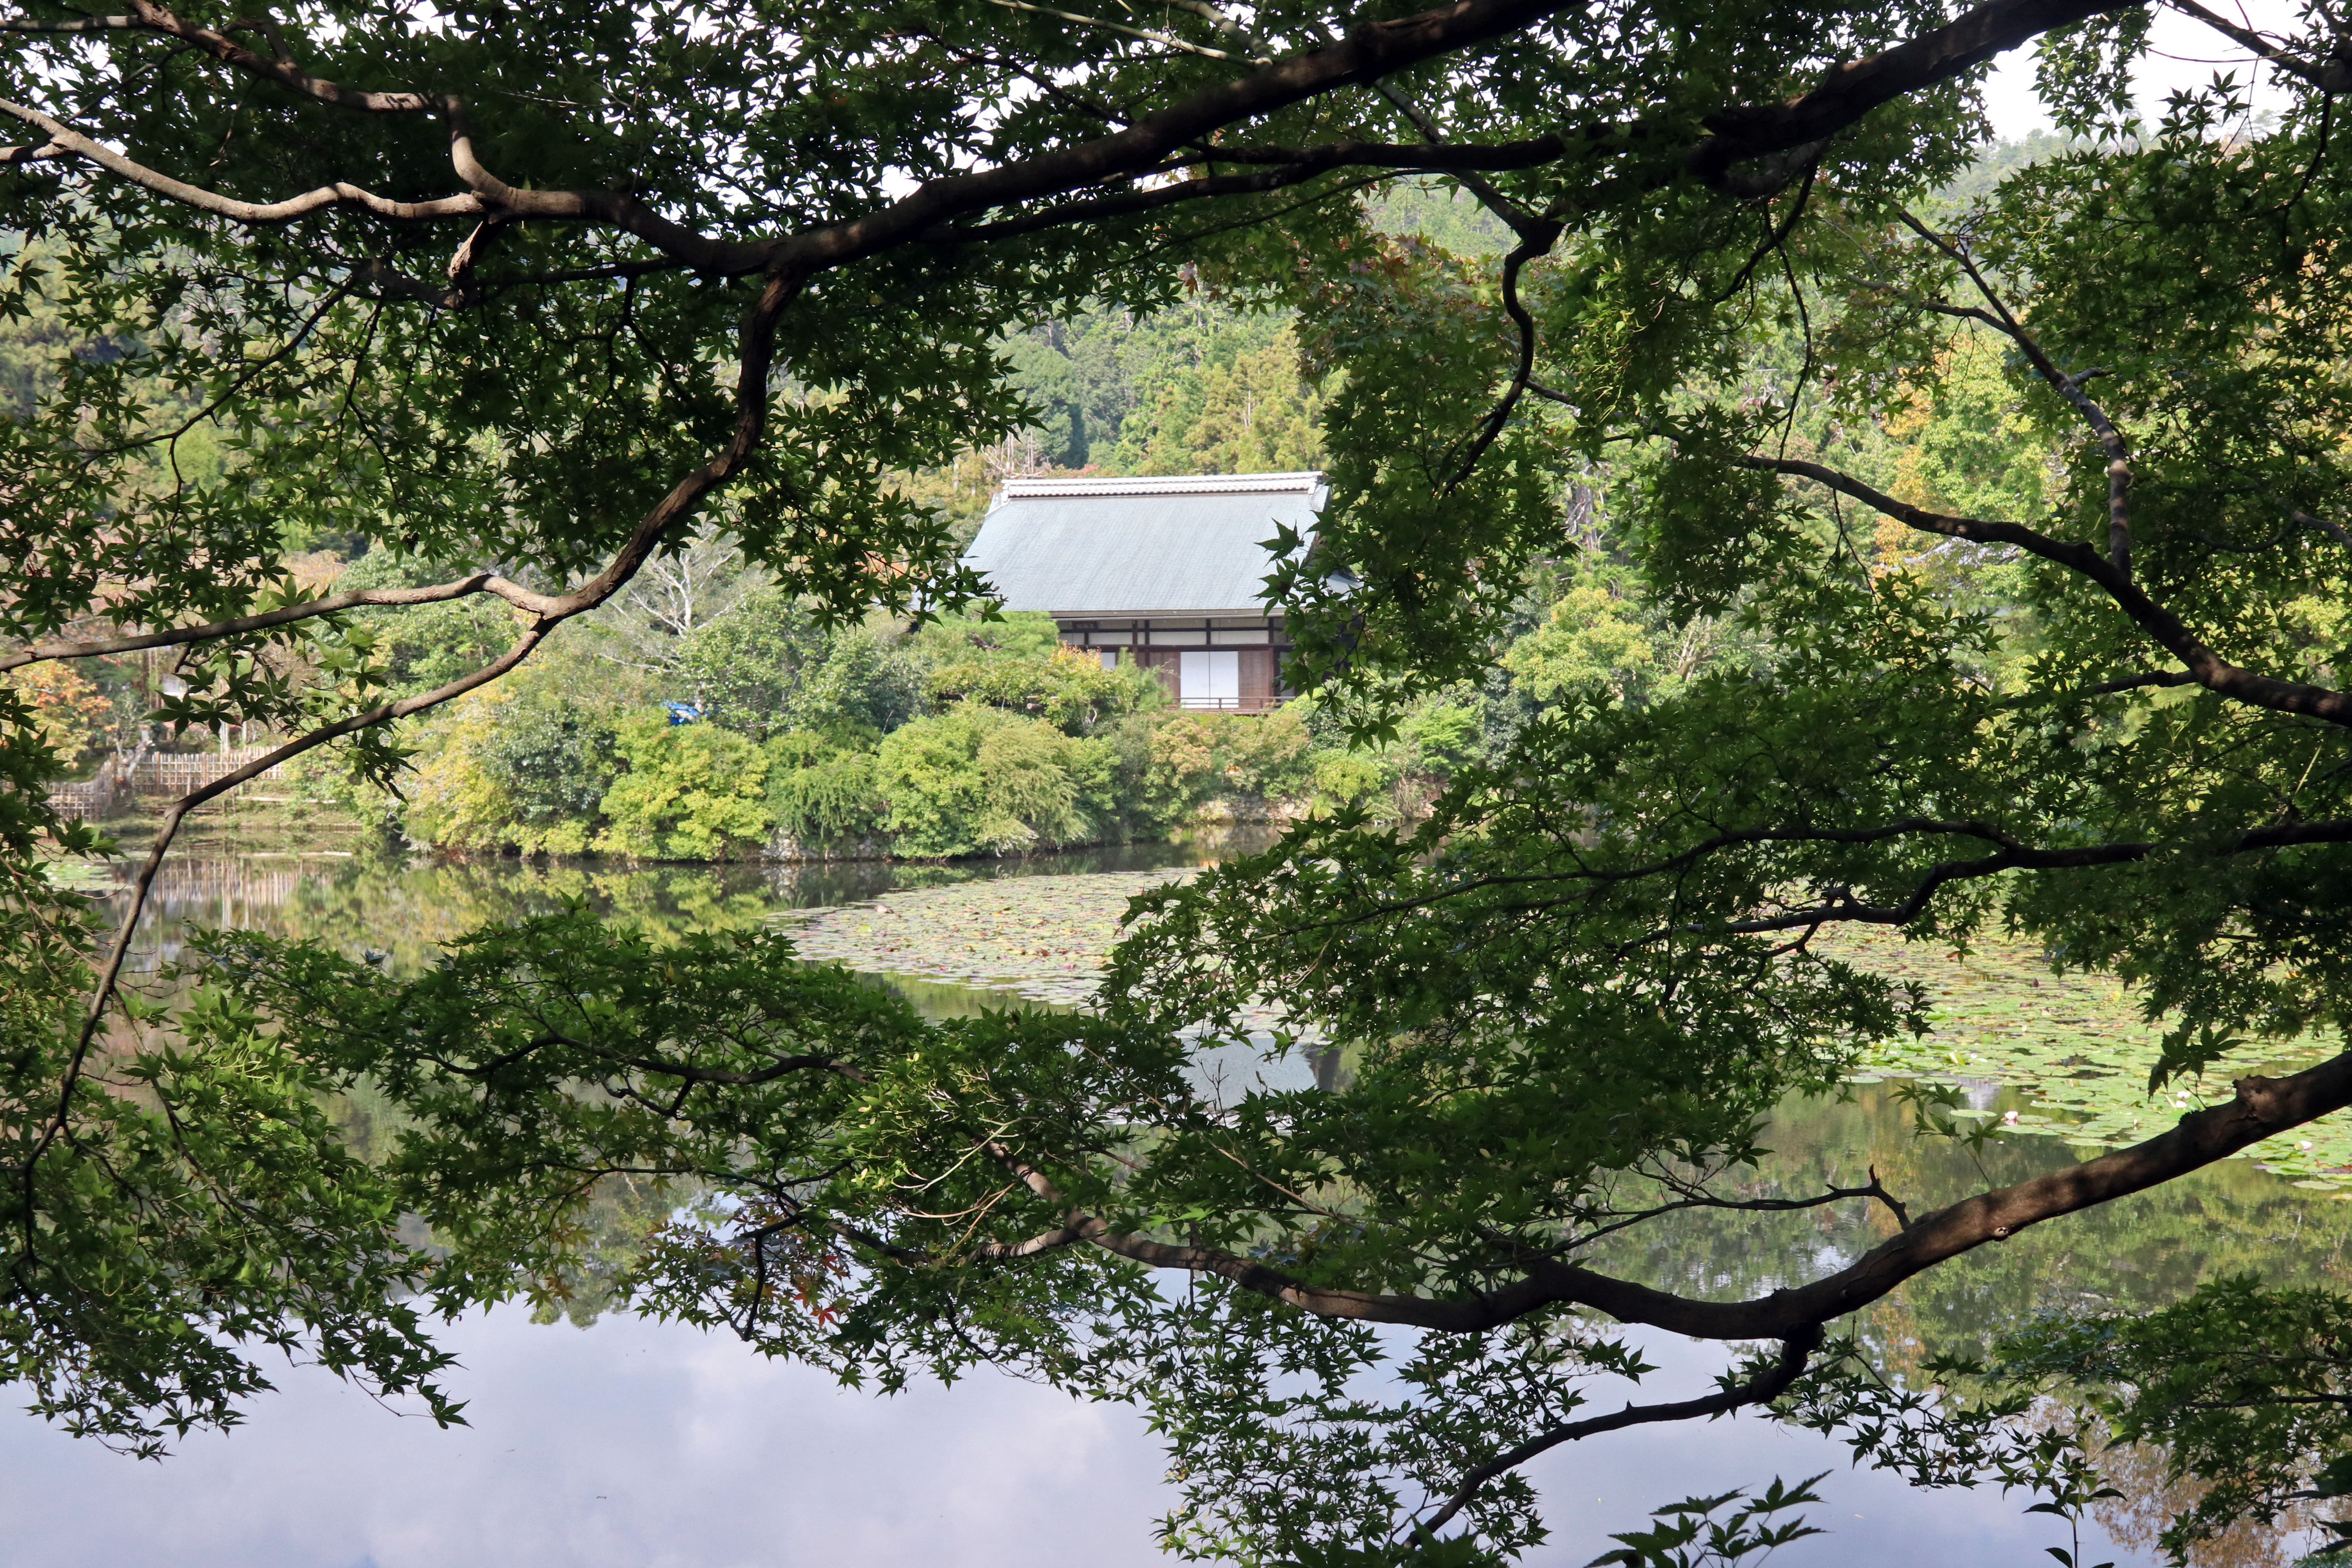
(2330,76)
(1144,32)
(1696,1197)
(513,593)
(1534,242)
(2070,387)
(1785,136)
(1768,1384)
(756,344)
(150,19)
(340,193)
(2211,670)
(2261,1107)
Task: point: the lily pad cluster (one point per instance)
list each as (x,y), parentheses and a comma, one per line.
(1041,939)
(2072,1050)
(2075,1049)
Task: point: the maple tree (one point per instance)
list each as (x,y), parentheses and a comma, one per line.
(543,290)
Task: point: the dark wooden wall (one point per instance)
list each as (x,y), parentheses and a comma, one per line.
(1257,673)
(1164,662)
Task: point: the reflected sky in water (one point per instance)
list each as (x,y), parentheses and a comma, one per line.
(637,1445)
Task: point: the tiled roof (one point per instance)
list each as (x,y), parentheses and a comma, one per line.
(1188,545)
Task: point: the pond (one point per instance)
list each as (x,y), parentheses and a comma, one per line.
(627,1442)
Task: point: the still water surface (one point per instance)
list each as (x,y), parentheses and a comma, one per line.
(635,1444)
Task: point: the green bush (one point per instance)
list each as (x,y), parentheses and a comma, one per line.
(1366,779)
(1067,689)
(691,792)
(1272,756)
(555,757)
(817,735)
(819,791)
(766,667)
(977,780)
(1198,757)
(1440,739)
(863,687)
(510,768)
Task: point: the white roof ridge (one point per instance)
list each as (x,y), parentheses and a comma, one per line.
(1162,484)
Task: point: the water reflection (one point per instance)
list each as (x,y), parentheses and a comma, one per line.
(637,1443)
(375,895)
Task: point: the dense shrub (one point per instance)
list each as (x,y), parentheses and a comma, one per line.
(1440,739)
(556,758)
(863,687)
(691,792)
(978,780)
(1358,779)
(1066,688)
(766,667)
(818,791)
(1197,757)
(821,736)
(1022,635)
(475,788)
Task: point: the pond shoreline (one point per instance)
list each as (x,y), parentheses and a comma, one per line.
(134,832)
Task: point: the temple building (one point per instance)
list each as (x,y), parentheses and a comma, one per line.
(1163,573)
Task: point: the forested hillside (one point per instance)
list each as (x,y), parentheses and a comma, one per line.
(975,737)
(964,739)
(1210,385)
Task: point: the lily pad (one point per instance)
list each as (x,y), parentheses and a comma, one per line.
(2078,1046)
(2075,1048)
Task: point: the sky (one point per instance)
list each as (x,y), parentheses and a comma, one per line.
(2182,52)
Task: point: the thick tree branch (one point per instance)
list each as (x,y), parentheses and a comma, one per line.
(2330,75)
(1775,237)
(1492,199)
(1126,204)
(1843,909)
(340,193)
(607,208)
(2013,856)
(1850,91)
(1787,135)
(148,18)
(2212,671)
(1699,1199)
(2304,519)
(1536,239)
(2262,1108)
(44,153)
(513,593)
